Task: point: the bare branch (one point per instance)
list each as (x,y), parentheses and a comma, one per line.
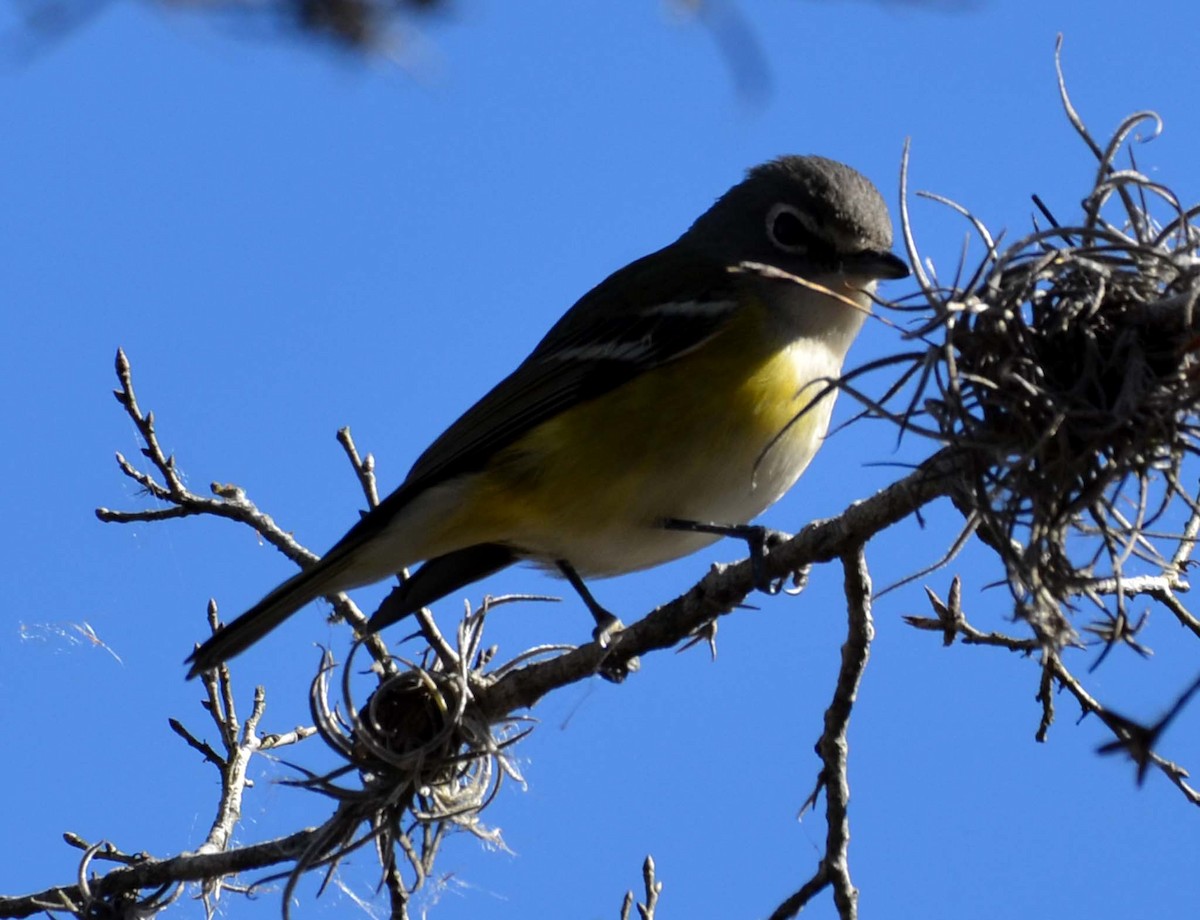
(833,748)
(364,468)
(1138,740)
(154,873)
(1127,732)
(229,501)
(652,888)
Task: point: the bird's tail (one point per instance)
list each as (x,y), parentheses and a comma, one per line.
(324,577)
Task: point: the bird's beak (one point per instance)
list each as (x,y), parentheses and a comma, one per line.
(875,264)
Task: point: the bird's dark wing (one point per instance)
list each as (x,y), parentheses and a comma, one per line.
(645,315)
(631,322)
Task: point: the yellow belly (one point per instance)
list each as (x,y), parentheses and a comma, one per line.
(713,436)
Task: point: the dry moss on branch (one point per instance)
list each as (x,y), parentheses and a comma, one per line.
(1064,371)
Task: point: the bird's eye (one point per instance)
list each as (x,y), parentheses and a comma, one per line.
(788,228)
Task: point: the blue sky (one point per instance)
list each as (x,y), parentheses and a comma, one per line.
(286,241)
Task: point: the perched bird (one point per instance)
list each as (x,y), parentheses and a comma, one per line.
(675,395)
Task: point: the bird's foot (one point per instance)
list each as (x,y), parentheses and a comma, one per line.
(759,540)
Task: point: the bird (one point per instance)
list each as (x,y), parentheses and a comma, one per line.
(673,403)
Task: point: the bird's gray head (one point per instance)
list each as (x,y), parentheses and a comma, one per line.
(806,215)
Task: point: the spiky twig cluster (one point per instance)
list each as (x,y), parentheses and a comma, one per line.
(1066,373)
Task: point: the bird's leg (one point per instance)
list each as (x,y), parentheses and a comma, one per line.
(607,625)
(758,539)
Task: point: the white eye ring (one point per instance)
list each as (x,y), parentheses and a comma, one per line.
(797,239)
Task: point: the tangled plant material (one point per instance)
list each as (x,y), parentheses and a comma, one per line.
(1066,375)
(427,758)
